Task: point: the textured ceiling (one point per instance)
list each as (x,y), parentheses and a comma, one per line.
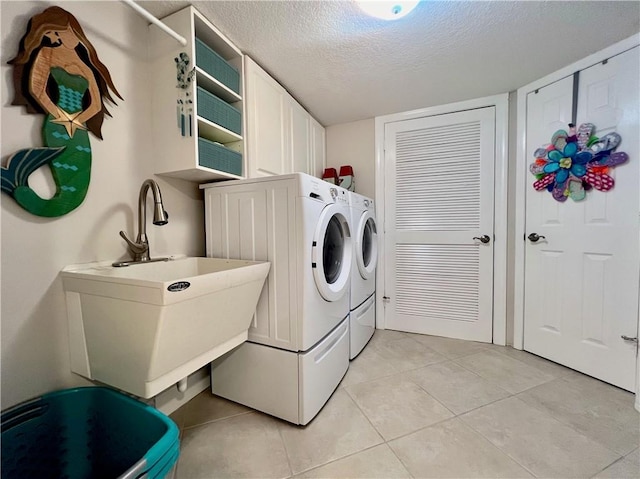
(343,66)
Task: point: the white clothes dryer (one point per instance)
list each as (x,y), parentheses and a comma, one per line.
(298,347)
(365,256)
(363,272)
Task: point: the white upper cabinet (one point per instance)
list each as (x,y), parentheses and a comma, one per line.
(318,149)
(281,135)
(299,138)
(266,123)
(198,119)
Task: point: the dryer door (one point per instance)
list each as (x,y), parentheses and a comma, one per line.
(331,256)
(367,245)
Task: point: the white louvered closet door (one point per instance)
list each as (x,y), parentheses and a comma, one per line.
(439,197)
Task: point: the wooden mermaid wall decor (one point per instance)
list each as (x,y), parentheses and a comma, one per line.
(57,72)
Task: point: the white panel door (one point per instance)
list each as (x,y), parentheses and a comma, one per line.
(439,175)
(581,279)
(318,153)
(300,138)
(266,123)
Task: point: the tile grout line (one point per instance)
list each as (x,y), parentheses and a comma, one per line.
(492,443)
(347,455)
(480,375)
(342,457)
(350,455)
(543,412)
(368,380)
(496,446)
(496,384)
(430,395)
(250,411)
(378,432)
(422,429)
(445,359)
(566,423)
(541,358)
(509,394)
(475,408)
(406,468)
(385,442)
(531,365)
(420,387)
(620,459)
(351,398)
(407,336)
(286,450)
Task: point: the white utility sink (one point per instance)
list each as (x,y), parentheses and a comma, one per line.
(145,327)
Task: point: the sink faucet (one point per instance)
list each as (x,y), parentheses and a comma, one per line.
(140,248)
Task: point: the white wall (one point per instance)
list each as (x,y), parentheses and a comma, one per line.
(354,144)
(33,250)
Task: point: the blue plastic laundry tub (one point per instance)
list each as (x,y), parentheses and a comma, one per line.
(92,432)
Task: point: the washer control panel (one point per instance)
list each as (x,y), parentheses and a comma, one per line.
(340,196)
(361,202)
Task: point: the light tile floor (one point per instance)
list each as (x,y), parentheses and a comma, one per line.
(422,406)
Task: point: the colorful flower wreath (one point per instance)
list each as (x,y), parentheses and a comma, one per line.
(573,162)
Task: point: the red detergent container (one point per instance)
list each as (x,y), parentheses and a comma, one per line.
(331,175)
(347,180)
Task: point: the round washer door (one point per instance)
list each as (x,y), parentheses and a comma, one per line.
(367,245)
(331,254)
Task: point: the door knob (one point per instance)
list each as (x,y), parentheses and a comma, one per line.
(534,237)
(483,239)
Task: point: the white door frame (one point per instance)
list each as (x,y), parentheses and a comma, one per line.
(522,180)
(501,104)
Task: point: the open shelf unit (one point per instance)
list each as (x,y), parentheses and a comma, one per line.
(177,154)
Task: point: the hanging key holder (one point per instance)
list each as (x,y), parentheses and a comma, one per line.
(184,103)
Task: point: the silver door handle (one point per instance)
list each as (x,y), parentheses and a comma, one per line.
(483,239)
(630,339)
(534,237)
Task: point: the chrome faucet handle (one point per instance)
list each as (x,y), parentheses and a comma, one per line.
(139,249)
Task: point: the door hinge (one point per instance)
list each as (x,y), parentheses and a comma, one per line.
(386,299)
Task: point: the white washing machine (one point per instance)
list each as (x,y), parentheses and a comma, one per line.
(362,305)
(298,347)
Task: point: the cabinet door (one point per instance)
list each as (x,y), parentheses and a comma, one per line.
(300,138)
(318,151)
(266,123)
